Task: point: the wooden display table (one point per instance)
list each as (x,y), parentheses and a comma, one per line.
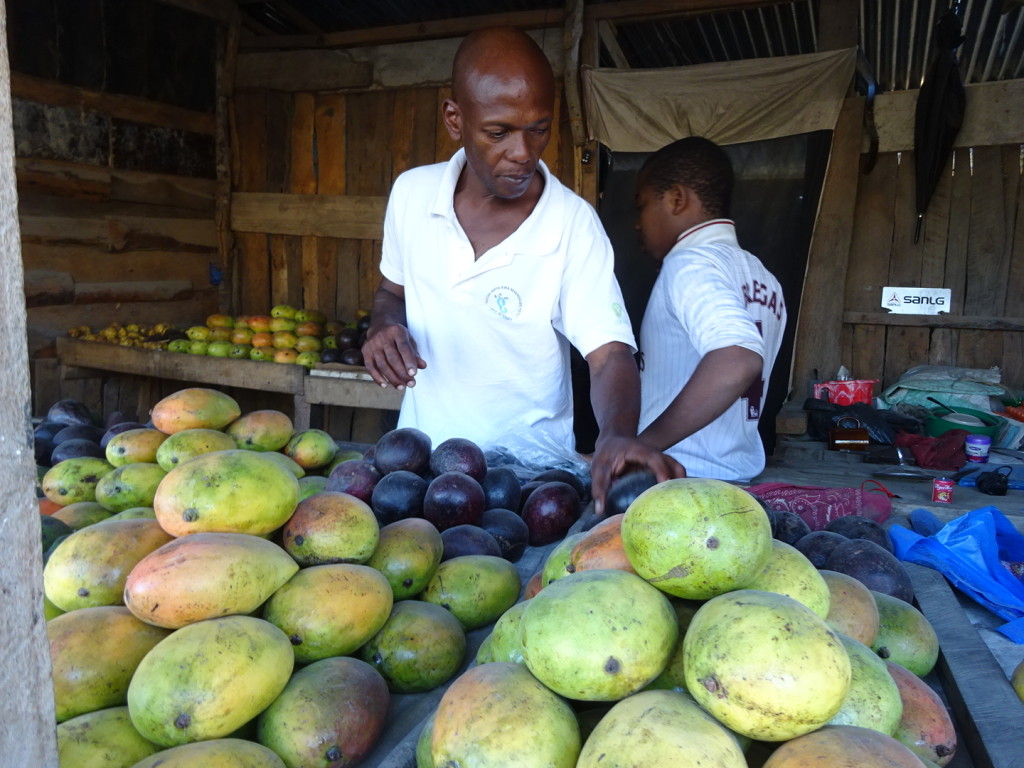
(336,385)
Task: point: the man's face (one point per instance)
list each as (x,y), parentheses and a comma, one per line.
(505,125)
(654,222)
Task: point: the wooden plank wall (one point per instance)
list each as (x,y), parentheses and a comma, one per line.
(352,144)
(972,241)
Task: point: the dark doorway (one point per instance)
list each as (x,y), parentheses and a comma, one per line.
(778,184)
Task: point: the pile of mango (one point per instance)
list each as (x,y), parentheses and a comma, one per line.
(208,602)
(126,335)
(682,633)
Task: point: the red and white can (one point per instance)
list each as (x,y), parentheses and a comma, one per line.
(942,490)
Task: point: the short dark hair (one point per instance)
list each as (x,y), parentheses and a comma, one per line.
(693,162)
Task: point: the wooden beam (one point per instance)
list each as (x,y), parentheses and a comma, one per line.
(403,33)
(309,70)
(348,216)
(818,325)
(572,33)
(992,117)
(122,292)
(961,322)
(609,39)
(225,67)
(129,108)
(631,10)
(27,734)
(220,10)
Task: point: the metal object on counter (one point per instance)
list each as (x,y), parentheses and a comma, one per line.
(903,470)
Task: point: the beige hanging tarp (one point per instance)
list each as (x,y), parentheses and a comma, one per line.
(635,110)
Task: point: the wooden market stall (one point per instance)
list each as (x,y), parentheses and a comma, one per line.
(176,158)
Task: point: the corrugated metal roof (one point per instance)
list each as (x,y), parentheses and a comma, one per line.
(895,35)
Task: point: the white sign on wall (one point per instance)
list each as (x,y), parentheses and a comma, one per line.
(916,301)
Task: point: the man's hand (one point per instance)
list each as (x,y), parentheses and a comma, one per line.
(616,456)
(390,356)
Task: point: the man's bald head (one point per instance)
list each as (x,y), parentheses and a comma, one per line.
(500,53)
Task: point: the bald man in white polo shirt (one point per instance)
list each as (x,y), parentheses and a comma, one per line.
(714,321)
(491,268)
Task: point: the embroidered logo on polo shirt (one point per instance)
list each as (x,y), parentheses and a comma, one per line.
(505,302)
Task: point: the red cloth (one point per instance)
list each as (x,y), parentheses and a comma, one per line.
(818,506)
(943,452)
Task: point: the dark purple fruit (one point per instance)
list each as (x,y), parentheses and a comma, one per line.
(48,429)
(509,529)
(502,488)
(872,566)
(346,338)
(816,546)
(330,355)
(453,498)
(626,488)
(43,448)
(457,454)
(76,448)
(550,511)
(357,477)
(563,476)
(857,527)
(404,448)
(79,432)
(69,412)
(363,323)
(467,540)
(117,429)
(398,495)
(789,527)
(116,417)
(528,487)
(352,357)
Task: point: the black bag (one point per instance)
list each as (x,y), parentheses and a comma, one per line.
(882,426)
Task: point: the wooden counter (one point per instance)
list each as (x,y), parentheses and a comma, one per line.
(335,385)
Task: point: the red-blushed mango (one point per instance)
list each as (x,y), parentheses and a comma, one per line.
(408,554)
(266,430)
(208,679)
(91,566)
(852,610)
(94,652)
(843,746)
(696,538)
(311,448)
(601,547)
(331,713)
(925,726)
(90,740)
(741,644)
(576,641)
(205,576)
(499,715)
(231,491)
(330,610)
(216,753)
(194,408)
(134,446)
(133,485)
(74,480)
(676,732)
(905,636)
(331,527)
(189,443)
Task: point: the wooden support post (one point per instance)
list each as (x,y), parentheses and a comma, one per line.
(572,32)
(820,321)
(585,174)
(27,735)
(226,58)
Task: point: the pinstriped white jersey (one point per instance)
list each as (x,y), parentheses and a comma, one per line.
(711,294)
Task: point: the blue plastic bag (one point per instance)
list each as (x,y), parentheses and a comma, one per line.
(969,551)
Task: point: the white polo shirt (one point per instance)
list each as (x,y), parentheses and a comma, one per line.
(711,294)
(495,331)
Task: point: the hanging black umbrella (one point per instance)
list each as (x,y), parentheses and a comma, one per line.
(940,113)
